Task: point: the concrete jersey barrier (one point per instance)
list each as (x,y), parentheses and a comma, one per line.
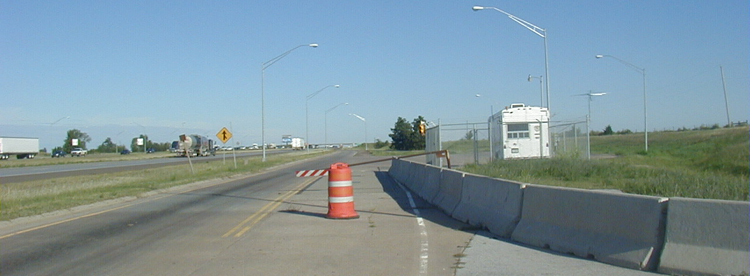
(491,203)
(397,170)
(431,186)
(690,237)
(451,183)
(706,237)
(620,229)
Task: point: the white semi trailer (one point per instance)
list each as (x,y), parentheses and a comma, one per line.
(21,147)
(520,131)
(298,143)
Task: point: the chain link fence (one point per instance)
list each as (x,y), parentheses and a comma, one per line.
(469,143)
(569,139)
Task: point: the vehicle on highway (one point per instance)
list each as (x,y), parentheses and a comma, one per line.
(195,145)
(298,143)
(175,146)
(78,152)
(22,148)
(125,151)
(58,153)
(150,150)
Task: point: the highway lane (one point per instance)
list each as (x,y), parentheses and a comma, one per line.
(168,234)
(20,174)
(266,224)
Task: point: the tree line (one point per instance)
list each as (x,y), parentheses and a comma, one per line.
(108,145)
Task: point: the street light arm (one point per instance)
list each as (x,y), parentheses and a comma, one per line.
(324,88)
(358,117)
(58,120)
(639,69)
(279,57)
(332,108)
(537,30)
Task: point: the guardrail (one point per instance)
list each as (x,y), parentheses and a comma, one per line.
(668,235)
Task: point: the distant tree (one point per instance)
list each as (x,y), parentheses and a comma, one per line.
(161,146)
(146,144)
(82,137)
(607,131)
(406,136)
(381,144)
(624,131)
(469,135)
(107,146)
(401,136)
(417,140)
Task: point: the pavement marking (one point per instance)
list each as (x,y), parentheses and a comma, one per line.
(424,241)
(63,221)
(156,197)
(267,209)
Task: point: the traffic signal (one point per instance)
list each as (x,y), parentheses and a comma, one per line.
(422,128)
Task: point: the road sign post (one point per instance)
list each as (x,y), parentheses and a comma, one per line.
(224,135)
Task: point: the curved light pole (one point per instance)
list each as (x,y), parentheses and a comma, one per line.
(263,67)
(588,121)
(326,121)
(541,90)
(645,116)
(365,121)
(307,128)
(58,120)
(537,30)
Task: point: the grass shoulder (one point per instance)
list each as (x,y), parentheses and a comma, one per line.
(710,164)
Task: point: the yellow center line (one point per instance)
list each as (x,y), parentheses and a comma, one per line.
(63,221)
(154,198)
(263,212)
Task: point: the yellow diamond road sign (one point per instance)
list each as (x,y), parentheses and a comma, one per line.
(224,135)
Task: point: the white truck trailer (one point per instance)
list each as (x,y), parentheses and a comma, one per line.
(21,147)
(520,131)
(298,143)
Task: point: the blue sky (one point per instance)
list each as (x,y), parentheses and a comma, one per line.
(121,68)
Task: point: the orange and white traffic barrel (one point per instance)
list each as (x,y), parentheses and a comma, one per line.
(340,192)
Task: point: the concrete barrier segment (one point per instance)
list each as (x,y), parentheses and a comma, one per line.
(451,184)
(416,176)
(491,203)
(619,229)
(706,237)
(398,169)
(431,186)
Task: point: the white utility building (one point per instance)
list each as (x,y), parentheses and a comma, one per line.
(520,131)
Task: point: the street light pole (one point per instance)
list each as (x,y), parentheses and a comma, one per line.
(588,122)
(537,30)
(307,121)
(325,122)
(541,90)
(365,121)
(263,67)
(645,113)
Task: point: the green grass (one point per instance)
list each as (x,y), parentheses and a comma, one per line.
(713,164)
(42,196)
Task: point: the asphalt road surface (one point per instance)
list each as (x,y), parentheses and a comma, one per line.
(271,223)
(20,174)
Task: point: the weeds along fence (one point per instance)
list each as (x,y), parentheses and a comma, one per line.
(569,139)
